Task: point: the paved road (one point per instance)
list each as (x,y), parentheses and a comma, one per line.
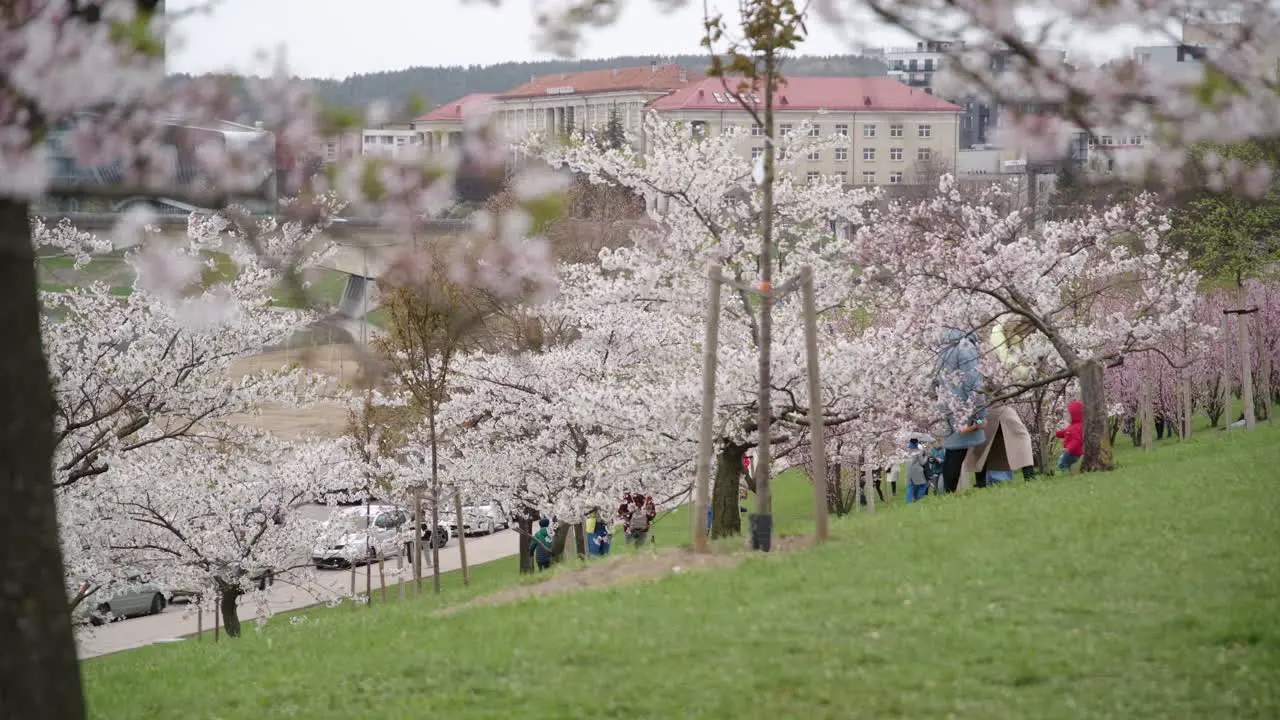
(176,621)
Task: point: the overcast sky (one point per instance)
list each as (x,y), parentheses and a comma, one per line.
(336,38)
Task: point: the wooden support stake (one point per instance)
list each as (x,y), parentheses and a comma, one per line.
(1146,416)
(400,574)
(817,437)
(702,477)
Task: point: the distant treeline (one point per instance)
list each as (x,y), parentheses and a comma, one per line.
(441,85)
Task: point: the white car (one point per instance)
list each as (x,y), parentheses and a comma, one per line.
(483,519)
(368,533)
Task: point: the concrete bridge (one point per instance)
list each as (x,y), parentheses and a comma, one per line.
(362,250)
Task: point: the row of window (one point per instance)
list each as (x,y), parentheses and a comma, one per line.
(1130,140)
(389,139)
(923,130)
(868,154)
(868,177)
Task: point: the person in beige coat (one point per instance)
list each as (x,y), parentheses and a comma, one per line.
(1007,447)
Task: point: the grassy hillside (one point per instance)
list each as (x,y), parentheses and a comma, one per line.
(1148,592)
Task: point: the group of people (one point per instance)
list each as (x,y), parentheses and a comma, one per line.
(636,514)
(988,443)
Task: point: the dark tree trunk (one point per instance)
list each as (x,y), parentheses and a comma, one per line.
(230,611)
(524,523)
(1093,395)
(39,674)
(725,520)
(580,540)
(558,541)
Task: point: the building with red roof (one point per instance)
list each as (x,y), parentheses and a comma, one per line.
(442,128)
(896,134)
(561,103)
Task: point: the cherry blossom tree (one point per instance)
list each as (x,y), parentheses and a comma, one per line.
(1089,290)
(220,519)
(705,211)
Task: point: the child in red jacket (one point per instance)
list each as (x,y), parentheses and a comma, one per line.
(1072,437)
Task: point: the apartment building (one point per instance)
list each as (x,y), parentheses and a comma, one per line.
(559,104)
(886,132)
(442,128)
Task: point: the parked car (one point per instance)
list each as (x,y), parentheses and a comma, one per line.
(370,533)
(483,519)
(138,598)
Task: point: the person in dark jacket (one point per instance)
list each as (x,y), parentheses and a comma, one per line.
(540,546)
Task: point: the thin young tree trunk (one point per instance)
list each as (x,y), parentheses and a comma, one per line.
(1246,370)
(39,674)
(1225,389)
(1147,419)
(435,497)
(416,556)
(762,521)
(462,535)
(1265,376)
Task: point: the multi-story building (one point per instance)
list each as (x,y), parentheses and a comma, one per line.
(914,67)
(560,104)
(388,140)
(442,128)
(885,132)
(917,67)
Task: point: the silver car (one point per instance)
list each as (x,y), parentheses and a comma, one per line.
(139,598)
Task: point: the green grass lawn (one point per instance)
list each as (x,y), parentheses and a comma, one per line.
(1148,592)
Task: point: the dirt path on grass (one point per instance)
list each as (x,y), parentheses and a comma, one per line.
(617,571)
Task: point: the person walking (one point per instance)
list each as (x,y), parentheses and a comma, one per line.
(959,382)
(541,545)
(1072,437)
(917,481)
(638,525)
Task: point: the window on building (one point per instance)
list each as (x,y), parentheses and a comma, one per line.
(756,153)
(868,131)
(811,177)
(815,131)
(925,131)
(400,140)
(895,130)
(784,129)
(757,130)
(1105,140)
(895,178)
(895,154)
(815,155)
(842,178)
(842,130)
(868,177)
(869,154)
(924,154)
(928,64)
(842,154)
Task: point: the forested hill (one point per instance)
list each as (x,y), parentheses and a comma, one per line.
(441,85)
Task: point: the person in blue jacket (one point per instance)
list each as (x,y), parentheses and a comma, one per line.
(959,383)
(599,541)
